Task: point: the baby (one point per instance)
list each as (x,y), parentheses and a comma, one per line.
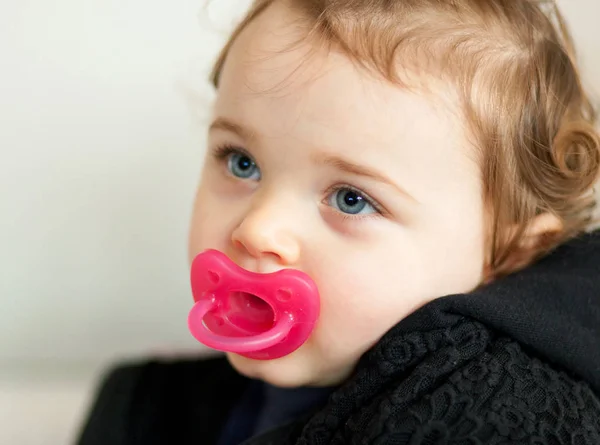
(417,159)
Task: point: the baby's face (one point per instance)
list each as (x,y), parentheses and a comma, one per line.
(371,190)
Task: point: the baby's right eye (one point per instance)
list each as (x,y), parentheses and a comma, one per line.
(242,166)
(239,164)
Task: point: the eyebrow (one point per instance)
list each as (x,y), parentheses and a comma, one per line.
(224,124)
(360,170)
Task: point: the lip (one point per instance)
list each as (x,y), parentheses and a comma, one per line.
(261,316)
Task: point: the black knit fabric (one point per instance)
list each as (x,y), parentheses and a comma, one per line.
(516,362)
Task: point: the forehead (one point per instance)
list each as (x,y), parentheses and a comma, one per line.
(278,83)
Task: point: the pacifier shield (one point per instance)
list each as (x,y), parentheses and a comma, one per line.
(260,316)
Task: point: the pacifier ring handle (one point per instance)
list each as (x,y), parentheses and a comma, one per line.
(239,345)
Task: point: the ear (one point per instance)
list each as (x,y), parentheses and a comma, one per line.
(539,229)
(537,235)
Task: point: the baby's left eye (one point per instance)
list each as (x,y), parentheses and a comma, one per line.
(350,201)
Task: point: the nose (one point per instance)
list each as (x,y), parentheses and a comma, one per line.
(267,230)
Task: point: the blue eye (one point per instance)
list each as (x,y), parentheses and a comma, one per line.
(242,166)
(349,201)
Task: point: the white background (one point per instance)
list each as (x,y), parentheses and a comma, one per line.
(99,156)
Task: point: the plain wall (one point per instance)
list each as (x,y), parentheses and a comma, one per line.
(99,158)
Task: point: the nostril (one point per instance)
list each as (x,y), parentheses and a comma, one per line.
(238,245)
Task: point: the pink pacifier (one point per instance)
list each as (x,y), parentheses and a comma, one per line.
(259,316)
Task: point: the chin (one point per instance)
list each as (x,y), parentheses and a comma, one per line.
(284,372)
(291,371)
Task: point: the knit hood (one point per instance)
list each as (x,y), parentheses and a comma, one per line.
(552,308)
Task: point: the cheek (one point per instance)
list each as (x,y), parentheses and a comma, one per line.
(371,290)
(367,294)
(455,250)
(207,229)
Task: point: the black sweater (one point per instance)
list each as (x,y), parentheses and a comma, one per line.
(515,362)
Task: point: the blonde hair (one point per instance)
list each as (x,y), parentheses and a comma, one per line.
(513,66)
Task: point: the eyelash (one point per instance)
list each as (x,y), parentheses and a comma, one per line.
(222,152)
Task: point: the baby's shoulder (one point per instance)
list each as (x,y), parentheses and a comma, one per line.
(503,395)
(157,401)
